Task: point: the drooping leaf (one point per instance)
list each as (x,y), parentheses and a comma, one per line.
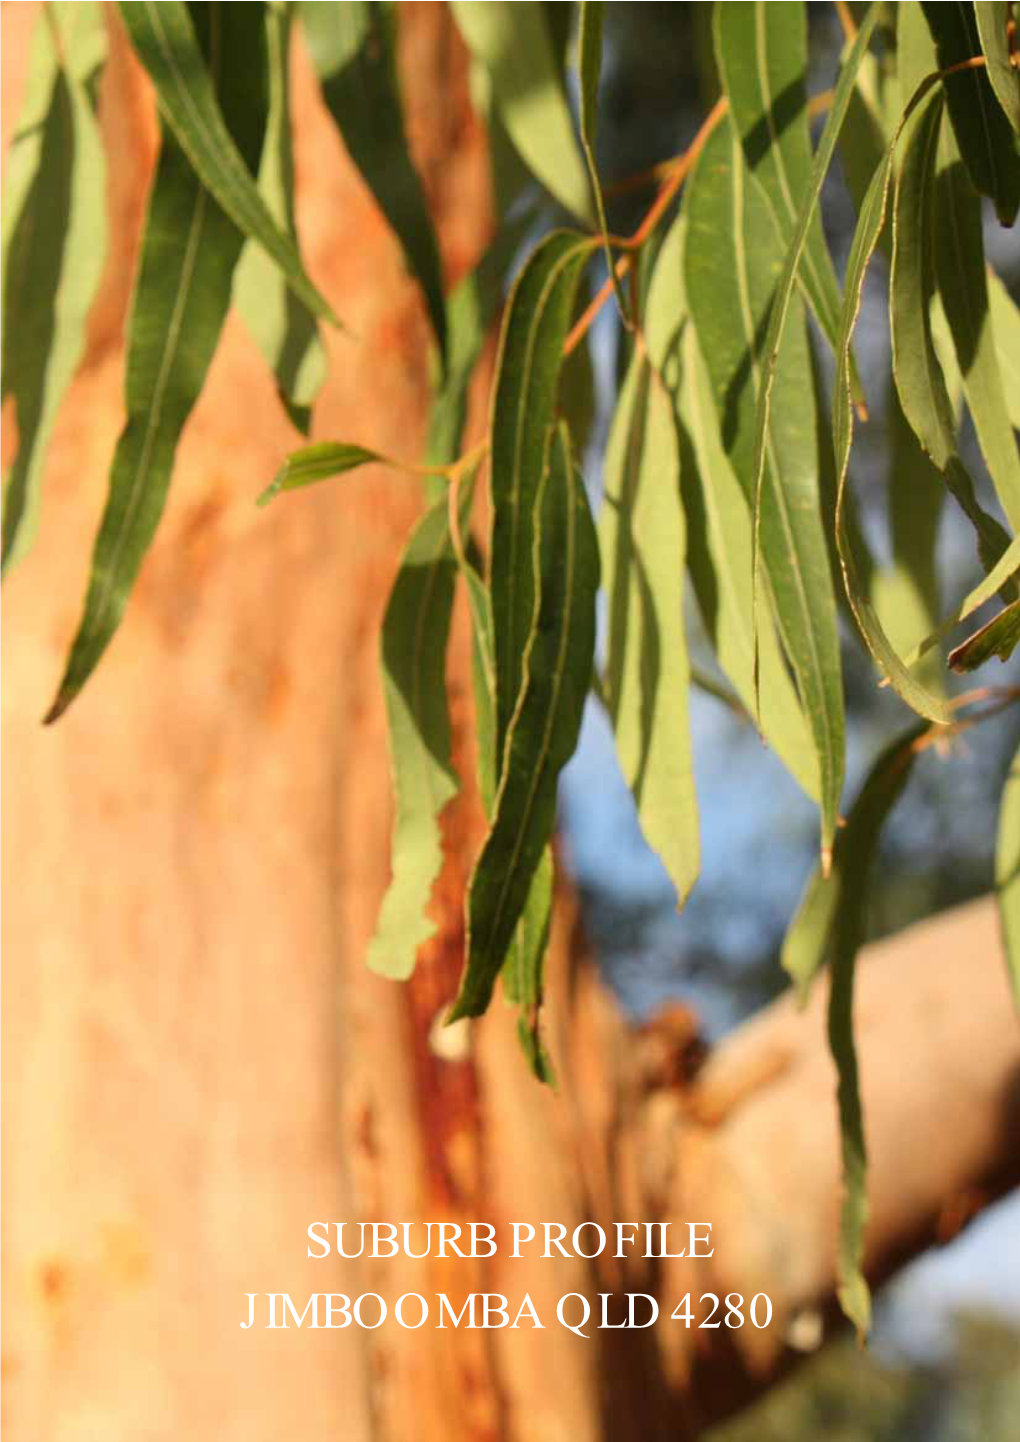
(832,920)
(997,637)
(1007,874)
(734,258)
(320,461)
(906,594)
(642,536)
(352,47)
(919,377)
(762,54)
(414,635)
(556,679)
(194,108)
(527,368)
(1006,570)
(993,17)
(719,562)
(189,250)
(589,66)
(985,137)
(282,326)
(1005,319)
(54,241)
(513,42)
(777,316)
(963,287)
(869,226)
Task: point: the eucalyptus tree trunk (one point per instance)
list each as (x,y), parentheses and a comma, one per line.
(199,1064)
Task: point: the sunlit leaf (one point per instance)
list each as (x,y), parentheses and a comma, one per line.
(528,366)
(869,226)
(986,139)
(320,461)
(734,258)
(189,250)
(352,47)
(997,637)
(919,377)
(556,679)
(54,241)
(1007,874)
(414,636)
(762,54)
(282,326)
(642,536)
(993,20)
(513,42)
(1005,320)
(164,37)
(963,286)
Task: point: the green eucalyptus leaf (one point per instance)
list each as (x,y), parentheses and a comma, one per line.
(762,53)
(352,47)
(983,133)
(963,287)
(282,326)
(642,541)
(545,725)
(869,226)
(993,18)
(919,378)
(831,921)
(527,371)
(189,251)
(54,243)
(320,461)
(193,105)
(997,637)
(1005,321)
(1007,874)
(589,66)
(415,631)
(513,42)
(733,259)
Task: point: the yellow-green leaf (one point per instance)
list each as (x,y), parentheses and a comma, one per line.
(993,24)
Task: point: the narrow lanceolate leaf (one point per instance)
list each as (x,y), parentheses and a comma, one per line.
(733,260)
(352,48)
(869,227)
(919,377)
(985,136)
(546,721)
(513,42)
(997,637)
(993,22)
(719,561)
(851,868)
(164,37)
(282,326)
(642,541)
(1007,874)
(1006,571)
(320,461)
(906,594)
(762,54)
(963,286)
(795,252)
(189,250)
(589,65)
(54,240)
(414,635)
(528,366)
(806,943)
(1005,320)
